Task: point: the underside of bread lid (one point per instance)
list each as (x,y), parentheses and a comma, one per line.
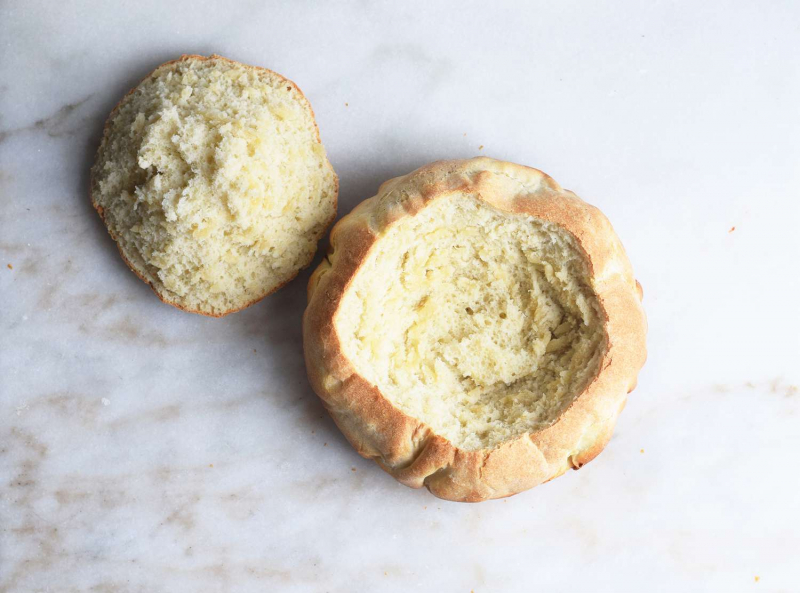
(482,318)
(213,181)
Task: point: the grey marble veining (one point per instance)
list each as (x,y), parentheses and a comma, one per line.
(145,449)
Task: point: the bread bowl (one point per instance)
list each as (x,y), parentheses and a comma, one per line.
(474,329)
(212,179)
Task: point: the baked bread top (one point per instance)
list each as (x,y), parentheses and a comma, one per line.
(212,179)
(475,329)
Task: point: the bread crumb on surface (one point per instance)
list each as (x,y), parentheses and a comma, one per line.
(352,469)
(213,182)
(10,267)
(480,147)
(641,450)
(733,228)
(757,578)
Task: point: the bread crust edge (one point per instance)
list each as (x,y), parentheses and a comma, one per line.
(407,448)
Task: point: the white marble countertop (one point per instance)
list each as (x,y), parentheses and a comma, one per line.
(146,449)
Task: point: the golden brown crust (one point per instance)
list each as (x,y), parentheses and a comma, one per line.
(163,297)
(404,446)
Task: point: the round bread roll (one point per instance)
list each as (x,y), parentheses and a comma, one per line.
(475,329)
(212,179)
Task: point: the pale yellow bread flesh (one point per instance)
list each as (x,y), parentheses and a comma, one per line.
(212,179)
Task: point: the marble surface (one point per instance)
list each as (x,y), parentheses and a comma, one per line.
(145,449)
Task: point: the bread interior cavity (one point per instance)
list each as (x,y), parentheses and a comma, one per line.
(480,323)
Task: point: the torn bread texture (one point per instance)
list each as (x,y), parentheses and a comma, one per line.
(475,329)
(212,179)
